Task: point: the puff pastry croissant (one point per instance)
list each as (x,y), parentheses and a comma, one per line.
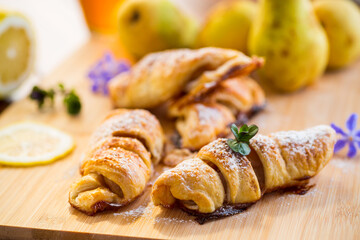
(218,176)
(200,120)
(161,76)
(118,164)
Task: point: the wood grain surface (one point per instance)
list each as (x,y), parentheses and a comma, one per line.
(34,201)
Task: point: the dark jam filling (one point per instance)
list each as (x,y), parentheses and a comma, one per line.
(104,206)
(229,210)
(176,139)
(299,190)
(222,212)
(243,118)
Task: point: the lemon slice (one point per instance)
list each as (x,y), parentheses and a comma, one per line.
(27,143)
(16,51)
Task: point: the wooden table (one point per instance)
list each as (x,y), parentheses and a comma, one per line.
(34,201)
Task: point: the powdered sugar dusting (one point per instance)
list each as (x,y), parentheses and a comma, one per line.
(146,211)
(130,215)
(195,168)
(264,143)
(172,220)
(127,121)
(139,124)
(241,216)
(287,200)
(220,150)
(301,142)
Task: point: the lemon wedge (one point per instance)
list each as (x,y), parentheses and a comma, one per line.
(17,47)
(27,144)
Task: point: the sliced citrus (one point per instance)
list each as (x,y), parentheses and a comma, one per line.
(27,143)
(16,51)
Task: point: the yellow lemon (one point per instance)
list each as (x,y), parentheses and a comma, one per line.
(27,143)
(16,51)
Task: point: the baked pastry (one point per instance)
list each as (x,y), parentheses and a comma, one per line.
(200,123)
(219,177)
(161,76)
(201,119)
(207,88)
(118,164)
(240,95)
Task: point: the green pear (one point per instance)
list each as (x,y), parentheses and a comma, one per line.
(148,26)
(228,25)
(292,41)
(341,21)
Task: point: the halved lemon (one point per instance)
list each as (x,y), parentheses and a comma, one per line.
(27,143)
(17,47)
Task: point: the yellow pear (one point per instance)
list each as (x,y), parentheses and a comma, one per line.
(341,21)
(292,41)
(148,26)
(228,25)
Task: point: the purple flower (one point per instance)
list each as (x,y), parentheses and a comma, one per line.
(352,137)
(104,70)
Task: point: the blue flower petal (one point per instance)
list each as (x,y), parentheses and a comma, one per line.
(98,64)
(122,66)
(357,133)
(340,144)
(351,122)
(105,69)
(338,129)
(95,88)
(108,57)
(92,75)
(352,150)
(105,91)
(357,137)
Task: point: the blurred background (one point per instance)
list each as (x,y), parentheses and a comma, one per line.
(55,29)
(60,25)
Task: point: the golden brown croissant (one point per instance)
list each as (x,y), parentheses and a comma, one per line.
(118,164)
(160,76)
(218,176)
(240,95)
(200,121)
(198,124)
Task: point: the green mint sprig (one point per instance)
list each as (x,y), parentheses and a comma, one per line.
(71,99)
(242,138)
(72,102)
(40,95)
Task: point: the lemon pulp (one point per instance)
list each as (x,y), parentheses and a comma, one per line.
(16,51)
(26,144)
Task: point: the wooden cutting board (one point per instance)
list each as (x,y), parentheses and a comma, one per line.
(34,201)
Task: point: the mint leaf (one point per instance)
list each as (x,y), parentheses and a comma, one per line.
(61,87)
(235,130)
(242,138)
(233,144)
(72,103)
(244,129)
(71,99)
(243,149)
(253,130)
